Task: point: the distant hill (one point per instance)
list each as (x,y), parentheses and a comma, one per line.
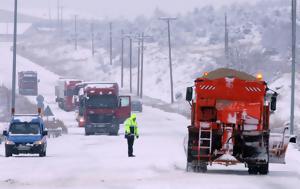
(8,16)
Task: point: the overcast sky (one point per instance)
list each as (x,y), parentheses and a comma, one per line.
(115,8)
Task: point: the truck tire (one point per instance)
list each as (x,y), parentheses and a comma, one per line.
(8,153)
(115,130)
(253,169)
(88,132)
(200,167)
(264,169)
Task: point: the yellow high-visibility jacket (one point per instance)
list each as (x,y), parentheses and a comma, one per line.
(131,126)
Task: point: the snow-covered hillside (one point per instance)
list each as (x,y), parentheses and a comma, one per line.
(197,39)
(283,87)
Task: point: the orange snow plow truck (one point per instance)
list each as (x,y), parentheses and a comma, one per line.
(230,113)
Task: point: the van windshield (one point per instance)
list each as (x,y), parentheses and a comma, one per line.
(25,128)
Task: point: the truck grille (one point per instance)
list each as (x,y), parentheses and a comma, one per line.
(100,118)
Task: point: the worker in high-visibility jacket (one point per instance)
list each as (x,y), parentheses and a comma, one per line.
(131,132)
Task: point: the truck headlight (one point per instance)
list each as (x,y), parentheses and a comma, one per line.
(8,142)
(40,142)
(81,120)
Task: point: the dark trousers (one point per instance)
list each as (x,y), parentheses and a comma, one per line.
(130,142)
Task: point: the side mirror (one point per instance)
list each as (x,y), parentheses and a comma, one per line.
(189,94)
(45,133)
(5,133)
(293,139)
(273,102)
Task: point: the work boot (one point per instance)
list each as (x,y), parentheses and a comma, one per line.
(131,155)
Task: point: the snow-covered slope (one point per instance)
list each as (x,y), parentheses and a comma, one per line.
(46,85)
(283,87)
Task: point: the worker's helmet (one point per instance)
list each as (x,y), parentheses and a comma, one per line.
(133,116)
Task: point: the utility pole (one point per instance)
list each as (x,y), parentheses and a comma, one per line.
(49,14)
(168,20)
(92,35)
(294,25)
(138,62)
(226,42)
(75,31)
(130,62)
(142,66)
(13,96)
(58,8)
(142,49)
(122,59)
(110,43)
(61,18)
(129,36)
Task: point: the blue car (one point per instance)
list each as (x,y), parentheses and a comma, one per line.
(26,134)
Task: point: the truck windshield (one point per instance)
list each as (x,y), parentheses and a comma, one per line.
(103,101)
(29,79)
(24,128)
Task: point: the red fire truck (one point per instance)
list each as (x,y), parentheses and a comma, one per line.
(102,109)
(28,83)
(64,92)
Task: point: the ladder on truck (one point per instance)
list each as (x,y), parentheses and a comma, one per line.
(205,143)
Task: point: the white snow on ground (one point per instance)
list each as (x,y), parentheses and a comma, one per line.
(46,85)
(77,161)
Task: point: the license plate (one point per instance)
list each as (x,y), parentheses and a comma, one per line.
(23,148)
(101,126)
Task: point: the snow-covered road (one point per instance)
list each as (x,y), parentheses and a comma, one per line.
(78,161)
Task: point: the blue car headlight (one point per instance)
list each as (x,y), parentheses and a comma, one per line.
(40,142)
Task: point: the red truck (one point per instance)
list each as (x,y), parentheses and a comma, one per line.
(28,83)
(230,114)
(102,109)
(64,92)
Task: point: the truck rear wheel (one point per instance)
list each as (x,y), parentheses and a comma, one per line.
(264,169)
(252,170)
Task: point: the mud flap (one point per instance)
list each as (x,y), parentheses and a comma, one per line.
(277,147)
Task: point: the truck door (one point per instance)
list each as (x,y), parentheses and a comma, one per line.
(124,110)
